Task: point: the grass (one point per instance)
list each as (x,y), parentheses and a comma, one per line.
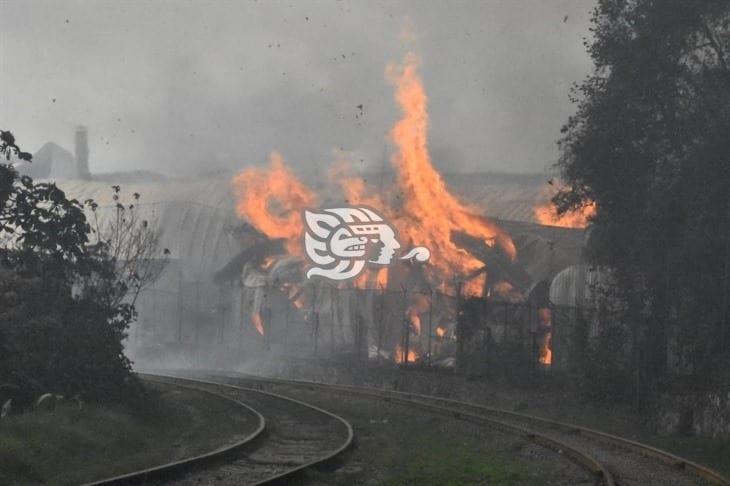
(713,453)
(619,420)
(550,398)
(431,459)
(622,421)
(398,445)
(69,446)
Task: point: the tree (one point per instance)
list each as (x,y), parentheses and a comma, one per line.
(132,242)
(649,145)
(66,301)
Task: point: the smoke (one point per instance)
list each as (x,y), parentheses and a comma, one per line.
(186,88)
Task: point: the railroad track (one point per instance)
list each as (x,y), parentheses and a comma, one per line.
(292,436)
(612,459)
(595,468)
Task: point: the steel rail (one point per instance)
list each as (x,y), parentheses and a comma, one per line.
(176,467)
(582,458)
(278,478)
(641,448)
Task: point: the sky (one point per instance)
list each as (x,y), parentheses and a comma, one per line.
(189,87)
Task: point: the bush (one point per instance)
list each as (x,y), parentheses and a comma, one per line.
(64,306)
(52,341)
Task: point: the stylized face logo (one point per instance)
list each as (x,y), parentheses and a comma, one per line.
(340,241)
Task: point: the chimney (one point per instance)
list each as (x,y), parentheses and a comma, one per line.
(82,153)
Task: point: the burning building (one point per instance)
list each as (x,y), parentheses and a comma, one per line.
(237,272)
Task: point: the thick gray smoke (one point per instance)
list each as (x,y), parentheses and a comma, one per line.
(190,87)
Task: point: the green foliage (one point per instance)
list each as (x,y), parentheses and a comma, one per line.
(53,340)
(607,371)
(649,144)
(63,313)
(432,459)
(68,446)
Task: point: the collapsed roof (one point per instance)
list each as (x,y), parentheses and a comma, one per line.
(199,226)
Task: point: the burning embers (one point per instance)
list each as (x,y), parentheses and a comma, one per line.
(257,322)
(420,305)
(545,336)
(400,357)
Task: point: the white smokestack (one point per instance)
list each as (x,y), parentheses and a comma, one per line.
(82,152)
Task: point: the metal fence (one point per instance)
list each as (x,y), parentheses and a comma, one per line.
(418,327)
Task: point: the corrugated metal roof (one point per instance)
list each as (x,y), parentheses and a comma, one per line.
(509,197)
(194,217)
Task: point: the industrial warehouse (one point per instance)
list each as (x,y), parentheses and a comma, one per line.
(389,243)
(228,287)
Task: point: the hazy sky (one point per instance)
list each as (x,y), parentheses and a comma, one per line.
(187,86)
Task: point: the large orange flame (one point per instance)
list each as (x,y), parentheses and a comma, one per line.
(423,210)
(272,200)
(430,213)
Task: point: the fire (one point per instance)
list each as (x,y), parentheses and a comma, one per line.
(473,287)
(354,189)
(372,278)
(430,213)
(545,339)
(415,323)
(361,282)
(414,311)
(425,213)
(399,358)
(546,356)
(268,262)
(272,200)
(507,292)
(546,213)
(257,322)
(381,279)
(299,302)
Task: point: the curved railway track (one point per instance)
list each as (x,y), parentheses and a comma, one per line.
(581,457)
(292,436)
(613,459)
